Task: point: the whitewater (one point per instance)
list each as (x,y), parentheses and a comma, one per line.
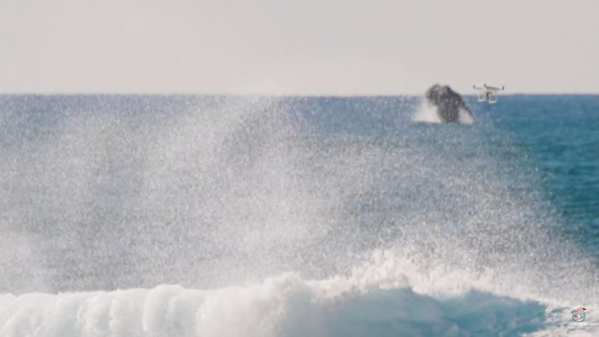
(287,216)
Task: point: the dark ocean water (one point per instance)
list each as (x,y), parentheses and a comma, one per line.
(332,216)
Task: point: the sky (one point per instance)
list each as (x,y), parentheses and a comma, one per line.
(307,47)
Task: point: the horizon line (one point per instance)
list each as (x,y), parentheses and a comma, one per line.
(290,95)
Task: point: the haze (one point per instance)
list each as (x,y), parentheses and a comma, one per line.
(308,47)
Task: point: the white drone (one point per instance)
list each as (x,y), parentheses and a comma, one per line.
(488,93)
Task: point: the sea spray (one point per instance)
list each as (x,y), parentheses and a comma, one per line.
(274,216)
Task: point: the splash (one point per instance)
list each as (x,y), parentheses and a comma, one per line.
(427,113)
(277,217)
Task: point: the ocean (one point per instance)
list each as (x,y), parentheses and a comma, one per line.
(182,215)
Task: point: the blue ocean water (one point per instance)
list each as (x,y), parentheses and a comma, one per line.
(560,134)
(297,216)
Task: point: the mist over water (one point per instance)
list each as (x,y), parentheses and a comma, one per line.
(336,216)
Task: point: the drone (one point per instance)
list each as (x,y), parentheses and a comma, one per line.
(488,93)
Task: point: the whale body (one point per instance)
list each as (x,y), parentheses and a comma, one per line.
(450,106)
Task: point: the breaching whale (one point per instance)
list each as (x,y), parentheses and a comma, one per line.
(450,106)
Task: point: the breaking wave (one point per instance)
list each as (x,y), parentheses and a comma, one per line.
(378,300)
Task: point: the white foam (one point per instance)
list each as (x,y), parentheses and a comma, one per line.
(163,311)
(387,293)
(427,113)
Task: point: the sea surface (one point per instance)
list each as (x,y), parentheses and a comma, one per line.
(133,215)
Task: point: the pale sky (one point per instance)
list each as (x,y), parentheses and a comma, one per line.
(339,47)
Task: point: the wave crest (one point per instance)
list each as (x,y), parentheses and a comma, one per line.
(377,300)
